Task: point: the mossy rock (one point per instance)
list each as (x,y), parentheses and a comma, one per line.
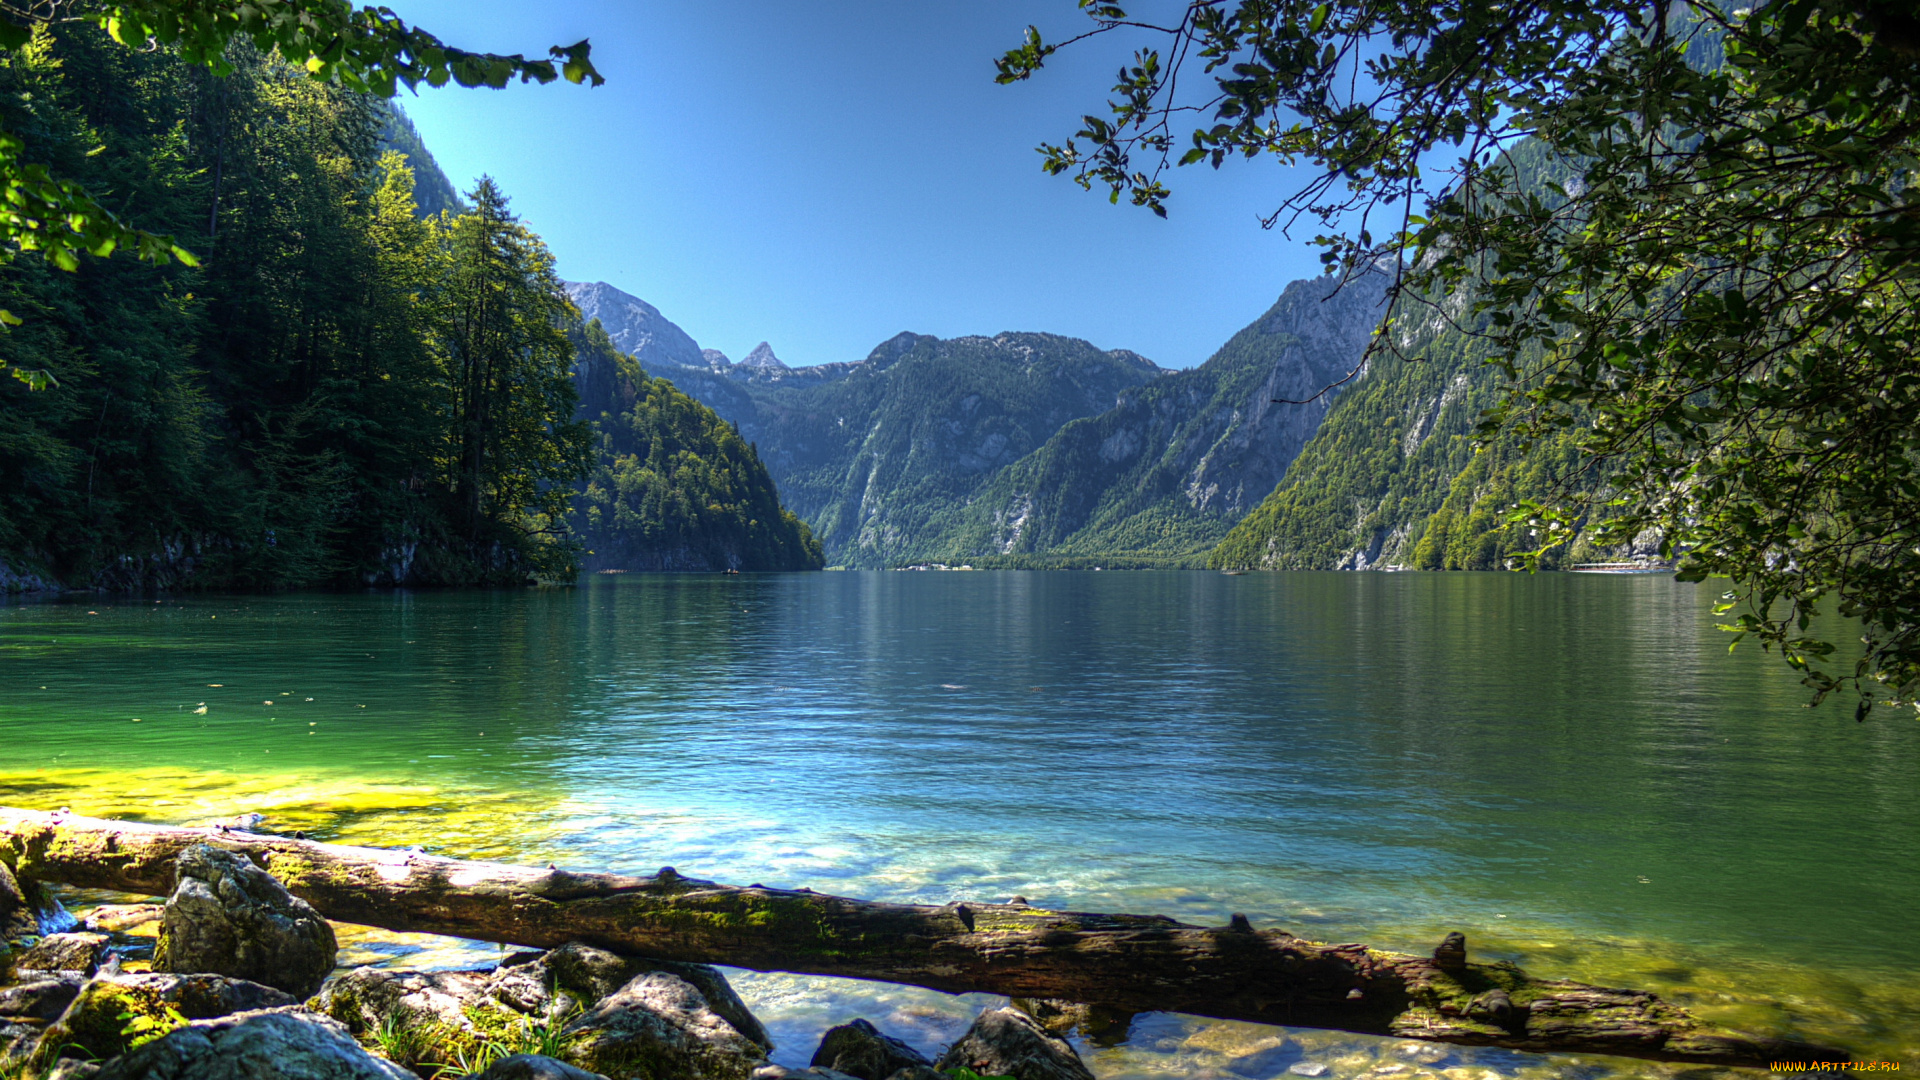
(272,1044)
(95,1025)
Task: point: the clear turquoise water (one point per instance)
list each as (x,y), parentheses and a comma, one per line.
(1570,769)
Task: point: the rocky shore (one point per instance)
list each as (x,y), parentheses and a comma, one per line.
(239,982)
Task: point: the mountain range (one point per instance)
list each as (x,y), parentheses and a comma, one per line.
(1021,449)
(1033,449)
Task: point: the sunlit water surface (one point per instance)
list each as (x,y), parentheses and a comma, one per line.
(1570,769)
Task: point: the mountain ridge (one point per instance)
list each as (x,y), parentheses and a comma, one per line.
(1026,448)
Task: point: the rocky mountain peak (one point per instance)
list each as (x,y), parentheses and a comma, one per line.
(636,327)
(762,357)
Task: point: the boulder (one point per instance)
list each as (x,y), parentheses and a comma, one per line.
(420,1016)
(534,1067)
(95,1023)
(857,1048)
(18,917)
(367,997)
(920,1072)
(274,1044)
(1008,1042)
(577,977)
(43,997)
(229,917)
(658,1026)
(79,952)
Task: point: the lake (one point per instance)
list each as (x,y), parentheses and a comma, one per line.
(1570,769)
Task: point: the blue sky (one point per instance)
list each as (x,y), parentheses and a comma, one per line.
(825,174)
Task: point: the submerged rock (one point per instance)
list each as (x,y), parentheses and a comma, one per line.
(1424,1053)
(96,1021)
(1268,1058)
(1103,1025)
(659,1025)
(859,1049)
(80,952)
(229,917)
(534,1067)
(277,1044)
(817,1072)
(1008,1042)
(120,918)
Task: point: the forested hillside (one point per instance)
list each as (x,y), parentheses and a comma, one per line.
(1393,477)
(433,193)
(341,391)
(1396,477)
(674,487)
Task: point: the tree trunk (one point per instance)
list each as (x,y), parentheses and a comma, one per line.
(1136,963)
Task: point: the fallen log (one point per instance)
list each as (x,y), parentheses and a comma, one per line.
(1132,963)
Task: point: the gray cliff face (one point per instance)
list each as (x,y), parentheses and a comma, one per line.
(638,328)
(1175,464)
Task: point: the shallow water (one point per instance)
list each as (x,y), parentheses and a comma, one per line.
(1570,769)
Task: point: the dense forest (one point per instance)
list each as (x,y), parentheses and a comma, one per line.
(348,389)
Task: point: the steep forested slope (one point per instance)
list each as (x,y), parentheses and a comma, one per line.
(433,193)
(673,487)
(1393,452)
(1394,478)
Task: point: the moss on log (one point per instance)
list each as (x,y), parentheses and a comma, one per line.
(1135,963)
